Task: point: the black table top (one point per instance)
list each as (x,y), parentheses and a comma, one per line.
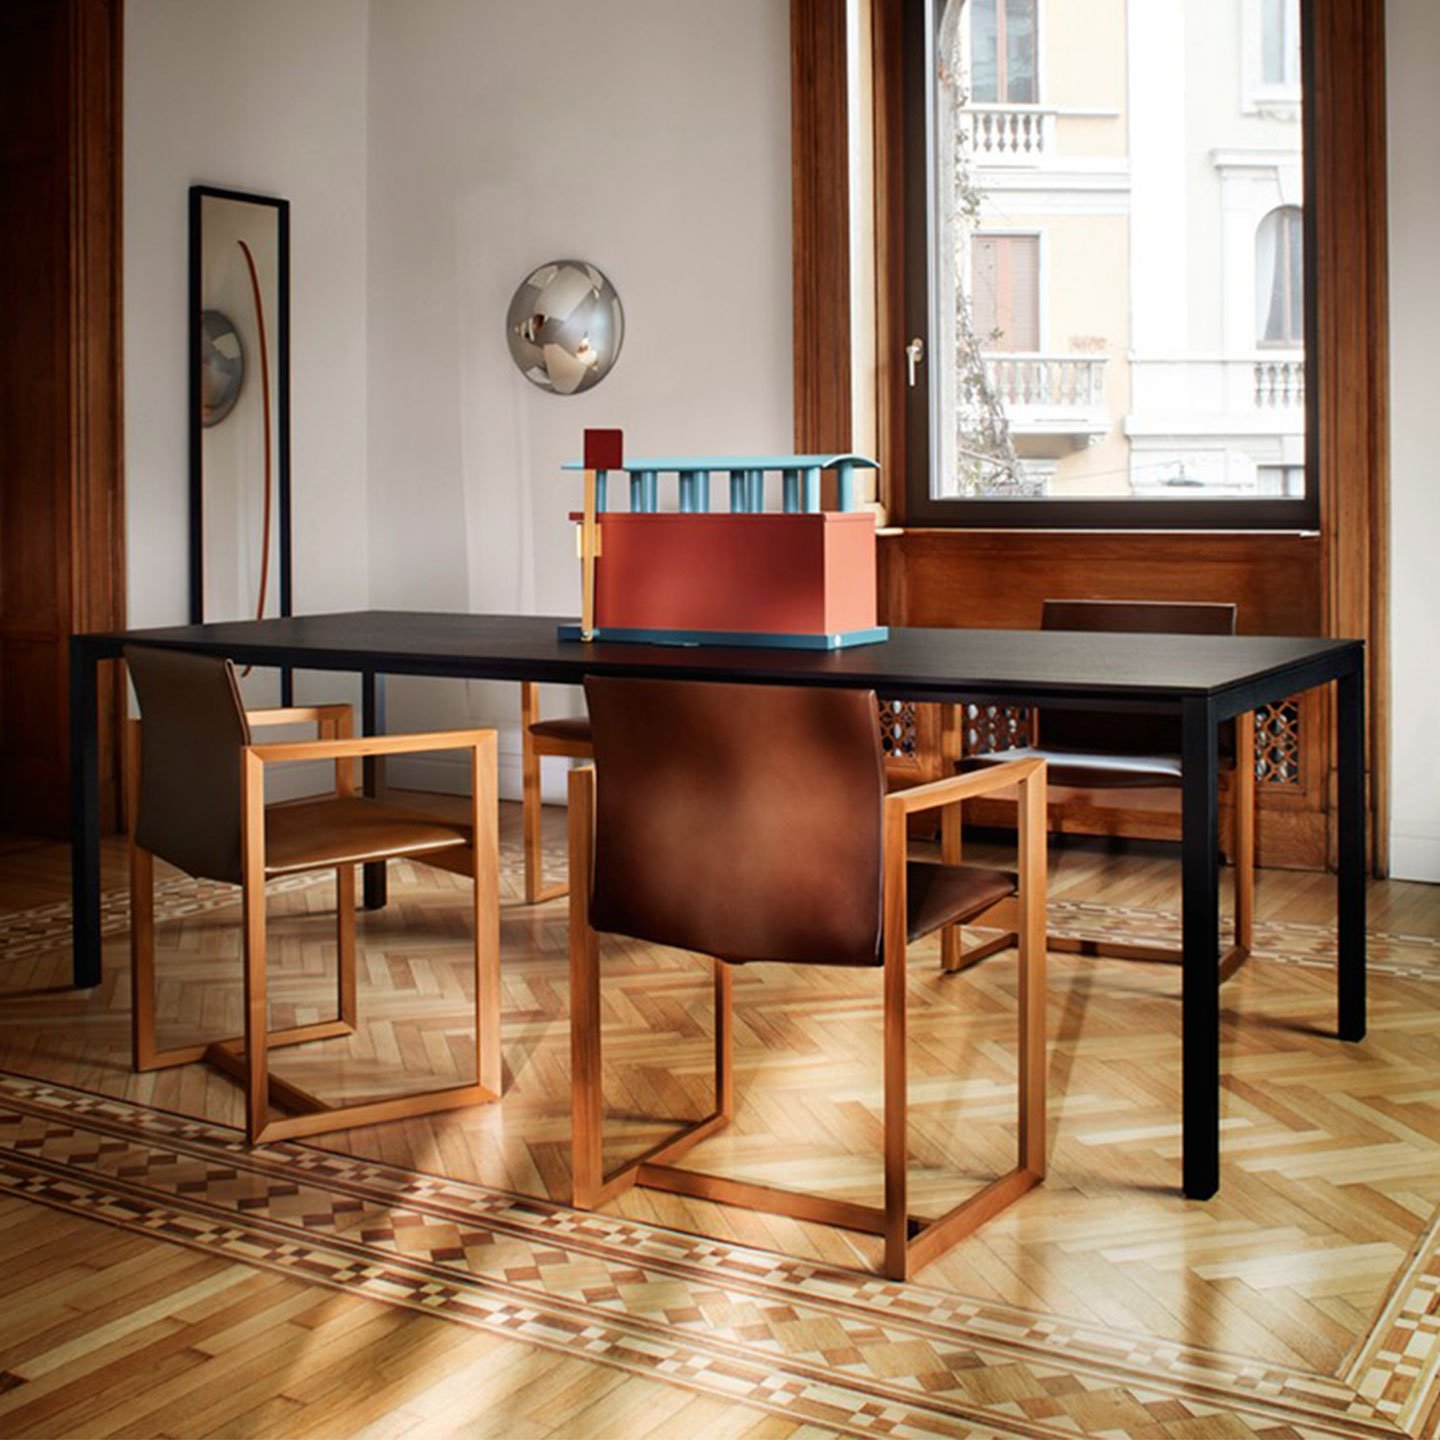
(914,663)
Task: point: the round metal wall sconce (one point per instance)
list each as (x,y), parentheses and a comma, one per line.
(565,327)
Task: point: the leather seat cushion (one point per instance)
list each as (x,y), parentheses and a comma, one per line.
(939,895)
(348,830)
(577,730)
(1100,771)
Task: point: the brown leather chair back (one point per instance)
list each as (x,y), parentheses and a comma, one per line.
(739,821)
(1118,733)
(192,728)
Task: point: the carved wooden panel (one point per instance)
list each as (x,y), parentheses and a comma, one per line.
(988,728)
(899,729)
(912,739)
(1279,748)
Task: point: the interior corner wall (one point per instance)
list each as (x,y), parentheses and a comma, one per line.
(268,96)
(1412,63)
(651,138)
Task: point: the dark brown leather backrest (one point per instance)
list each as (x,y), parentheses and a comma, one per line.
(192,727)
(740,821)
(1112,732)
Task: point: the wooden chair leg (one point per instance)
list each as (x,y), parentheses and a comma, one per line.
(257,1077)
(724,1039)
(489,1066)
(897,1200)
(530,804)
(1032,987)
(952,937)
(346,1008)
(586,1110)
(1245,832)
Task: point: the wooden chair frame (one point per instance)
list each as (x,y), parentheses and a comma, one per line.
(910,1241)
(954,956)
(246,1057)
(534,748)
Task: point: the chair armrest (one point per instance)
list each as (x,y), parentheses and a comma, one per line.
(347,749)
(342,715)
(954,788)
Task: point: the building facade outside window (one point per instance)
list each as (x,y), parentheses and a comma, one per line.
(1118,284)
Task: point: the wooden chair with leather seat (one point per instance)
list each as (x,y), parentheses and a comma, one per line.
(749,823)
(1102,750)
(539,738)
(197,801)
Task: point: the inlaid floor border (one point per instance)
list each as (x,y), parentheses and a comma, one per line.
(812,1342)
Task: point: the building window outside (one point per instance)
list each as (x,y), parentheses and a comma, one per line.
(1279,279)
(1280,44)
(1005,292)
(1002,57)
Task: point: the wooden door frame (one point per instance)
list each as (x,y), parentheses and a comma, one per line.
(1348,359)
(97,469)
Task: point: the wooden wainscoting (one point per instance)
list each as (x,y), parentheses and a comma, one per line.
(1001,578)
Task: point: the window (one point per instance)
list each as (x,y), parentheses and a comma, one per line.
(1005,292)
(1279,278)
(1111,325)
(1002,57)
(1280,44)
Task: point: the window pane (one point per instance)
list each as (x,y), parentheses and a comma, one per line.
(1004,292)
(1272,41)
(1156,353)
(1279,293)
(1020,52)
(984,55)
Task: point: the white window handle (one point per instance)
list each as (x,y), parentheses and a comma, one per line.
(914,354)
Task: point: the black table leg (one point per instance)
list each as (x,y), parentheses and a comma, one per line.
(1350,823)
(1200,1045)
(84,816)
(372,722)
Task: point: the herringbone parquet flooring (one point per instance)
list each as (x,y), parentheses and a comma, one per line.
(1331,1152)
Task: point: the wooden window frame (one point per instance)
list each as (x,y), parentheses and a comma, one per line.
(920,504)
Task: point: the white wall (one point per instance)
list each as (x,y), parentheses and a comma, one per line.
(268,96)
(650,138)
(434,151)
(1413,61)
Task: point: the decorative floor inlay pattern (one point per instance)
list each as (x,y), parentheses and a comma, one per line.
(807,1341)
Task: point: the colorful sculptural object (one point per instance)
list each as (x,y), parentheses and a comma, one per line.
(797,577)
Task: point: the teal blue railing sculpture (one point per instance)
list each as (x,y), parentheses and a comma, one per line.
(799,481)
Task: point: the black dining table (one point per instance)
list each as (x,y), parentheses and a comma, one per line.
(1206,680)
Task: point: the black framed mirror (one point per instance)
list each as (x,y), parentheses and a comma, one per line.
(239,396)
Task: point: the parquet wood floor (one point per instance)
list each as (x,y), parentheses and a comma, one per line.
(108,1334)
(1331,1153)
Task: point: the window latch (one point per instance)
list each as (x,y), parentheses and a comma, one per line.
(914,354)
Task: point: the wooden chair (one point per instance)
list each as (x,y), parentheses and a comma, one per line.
(750,823)
(197,800)
(1099,750)
(539,738)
